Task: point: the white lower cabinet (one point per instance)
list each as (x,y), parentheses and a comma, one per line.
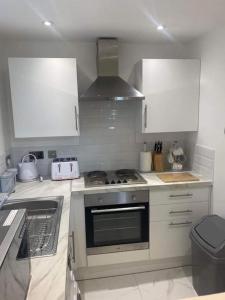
(169,240)
(180,195)
(173,211)
(171,220)
(184,211)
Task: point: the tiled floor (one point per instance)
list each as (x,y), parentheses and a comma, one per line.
(170,284)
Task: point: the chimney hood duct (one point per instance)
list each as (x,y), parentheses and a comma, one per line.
(108,85)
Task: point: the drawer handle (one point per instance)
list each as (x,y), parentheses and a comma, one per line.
(72,236)
(180,223)
(145,116)
(181,195)
(188,211)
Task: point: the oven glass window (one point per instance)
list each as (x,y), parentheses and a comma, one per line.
(118,227)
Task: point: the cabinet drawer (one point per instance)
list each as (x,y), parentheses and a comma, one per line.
(179,195)
(192,210)
(170,239)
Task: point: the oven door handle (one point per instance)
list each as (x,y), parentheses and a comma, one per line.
(121,209)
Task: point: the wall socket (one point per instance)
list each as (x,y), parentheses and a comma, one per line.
(52,154)
(38,154)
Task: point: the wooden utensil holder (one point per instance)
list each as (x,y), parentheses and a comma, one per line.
(158,162)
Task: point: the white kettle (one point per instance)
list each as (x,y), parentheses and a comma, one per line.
(28,169)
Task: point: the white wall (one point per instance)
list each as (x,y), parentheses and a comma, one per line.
(4,130)
(211,49)
(98,146)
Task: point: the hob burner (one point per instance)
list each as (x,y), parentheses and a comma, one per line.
(125,172)
(118,177)
(96,174)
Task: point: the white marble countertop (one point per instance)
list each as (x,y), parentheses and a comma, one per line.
(153,181)
(49,273)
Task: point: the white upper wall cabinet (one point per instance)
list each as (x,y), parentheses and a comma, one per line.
(171,89)
(44,97)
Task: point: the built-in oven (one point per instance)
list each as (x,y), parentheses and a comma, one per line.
(117,221)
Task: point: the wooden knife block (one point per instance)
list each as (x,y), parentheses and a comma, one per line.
(158,162)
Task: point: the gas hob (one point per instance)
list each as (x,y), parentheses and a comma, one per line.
(117,177)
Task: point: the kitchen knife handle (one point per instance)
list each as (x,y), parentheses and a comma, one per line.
(145,116)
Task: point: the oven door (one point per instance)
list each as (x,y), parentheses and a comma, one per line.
(115,228)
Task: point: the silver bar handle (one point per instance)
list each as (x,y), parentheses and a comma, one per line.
(76,121)
(72,236)
(181,195)
(98,211)
(188,211)
(145,116)
(180,223)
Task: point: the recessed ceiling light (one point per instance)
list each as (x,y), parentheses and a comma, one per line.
(48,23)
(160,27)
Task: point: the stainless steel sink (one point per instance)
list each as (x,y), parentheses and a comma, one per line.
(41,230)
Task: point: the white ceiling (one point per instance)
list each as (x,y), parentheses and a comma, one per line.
(129,20)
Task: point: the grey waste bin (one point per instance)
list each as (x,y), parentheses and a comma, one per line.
(208,255)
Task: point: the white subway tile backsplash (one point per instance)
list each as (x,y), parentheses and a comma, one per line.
(109,138)
(203,161)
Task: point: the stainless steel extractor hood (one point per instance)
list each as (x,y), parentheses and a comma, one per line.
(108,85)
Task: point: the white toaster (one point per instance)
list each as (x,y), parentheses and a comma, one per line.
(65,168)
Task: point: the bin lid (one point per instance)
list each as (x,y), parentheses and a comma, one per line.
(210,233)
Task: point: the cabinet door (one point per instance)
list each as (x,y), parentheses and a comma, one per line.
(191,210)
(178,194)
(44,97)
(171,88)
(170,237)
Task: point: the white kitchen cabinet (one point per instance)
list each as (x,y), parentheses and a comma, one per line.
(169,240)
(180,195)
(170,212)
(171,90)
(72,289)
(44,97)
(171,219)
(78,231)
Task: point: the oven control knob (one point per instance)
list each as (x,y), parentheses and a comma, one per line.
(112,182)
(134,198)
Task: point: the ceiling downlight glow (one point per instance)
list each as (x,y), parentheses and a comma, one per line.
(160,27)
(48,23)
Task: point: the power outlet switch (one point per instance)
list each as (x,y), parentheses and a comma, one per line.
(52,154)
(38,154)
